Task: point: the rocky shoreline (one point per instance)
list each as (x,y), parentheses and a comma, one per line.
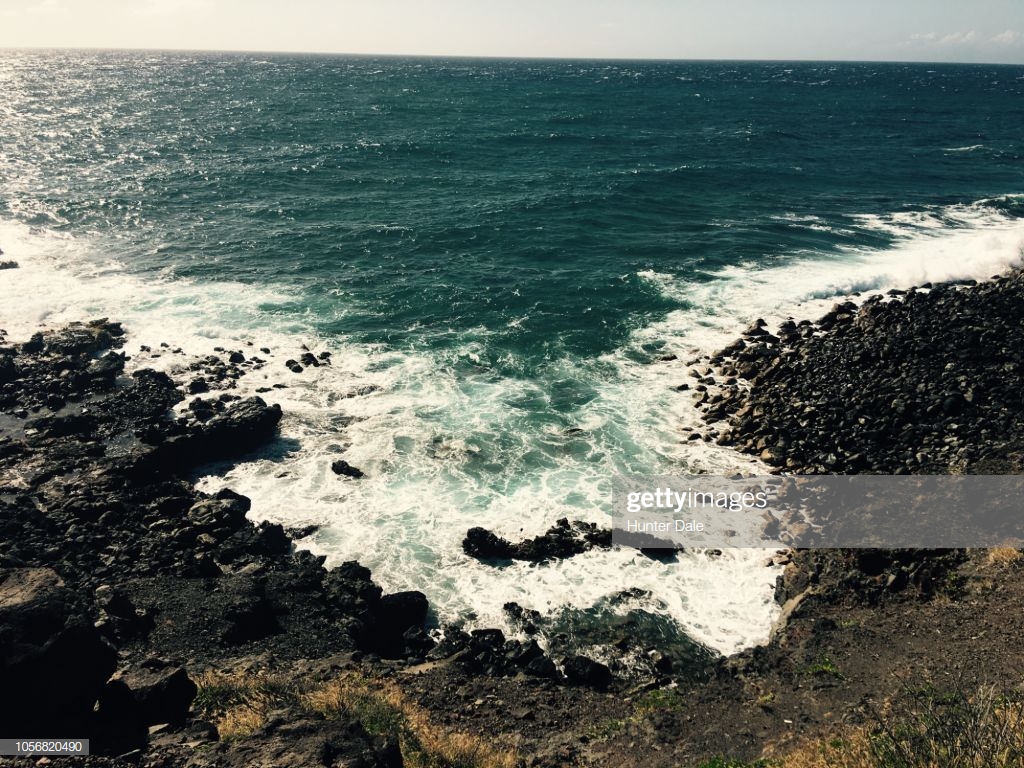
(925,381)
(112,564)
(175,632)
(118,579)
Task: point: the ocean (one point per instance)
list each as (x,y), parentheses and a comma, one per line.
(499,256)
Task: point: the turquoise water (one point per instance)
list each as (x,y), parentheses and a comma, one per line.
(504,250)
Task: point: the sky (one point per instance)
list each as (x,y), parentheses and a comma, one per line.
(897,30)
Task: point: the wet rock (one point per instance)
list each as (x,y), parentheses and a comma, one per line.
(525,619)
(34,344)
(342,467)
(63,426)
(453,642)
(107,368)
(301,531)
(243,426)
(562,540)
(213,514)
(757,328)
(484,545)
(392,617)
(490,639)
(580,670)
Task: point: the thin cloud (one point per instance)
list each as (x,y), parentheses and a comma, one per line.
(959,38)
(952,39)
(1009,37)
(171,7)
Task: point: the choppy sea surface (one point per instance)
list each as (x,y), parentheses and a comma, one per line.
(497,254)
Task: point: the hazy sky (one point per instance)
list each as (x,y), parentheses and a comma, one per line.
(928,30)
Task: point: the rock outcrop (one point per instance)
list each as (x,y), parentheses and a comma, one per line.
(923,381)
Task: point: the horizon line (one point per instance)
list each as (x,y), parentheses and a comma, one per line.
(498,57)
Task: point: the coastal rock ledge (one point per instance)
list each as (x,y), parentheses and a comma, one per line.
(925,381)
(170,629)
(147,615)
(117,576)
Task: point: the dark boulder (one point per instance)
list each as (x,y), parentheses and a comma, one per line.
(564,539)
(80,339)
(342,467)
(251,542)
(580,670)
(241,428)
(542,666)
(484,545)
(490,639)
(8,369)
(526,620)
(63,426)
(51,656)
(117,726)
(162,691)
(107,368)
(34,345)
(213,514)
(393,616)
(350,589)
(454,640)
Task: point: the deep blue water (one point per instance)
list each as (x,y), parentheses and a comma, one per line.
(451,195)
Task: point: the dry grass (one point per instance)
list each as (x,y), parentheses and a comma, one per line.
(241,721)
(852,750)
(1003,557)
(239,704)
(925,729)
(382,708)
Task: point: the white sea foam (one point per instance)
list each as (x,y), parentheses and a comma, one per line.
(445,450)
(976,243)
(442,451)
(960,242)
